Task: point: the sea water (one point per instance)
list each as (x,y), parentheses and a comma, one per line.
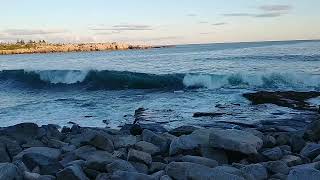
(99,88)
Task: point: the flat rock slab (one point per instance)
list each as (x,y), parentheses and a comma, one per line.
(235,140)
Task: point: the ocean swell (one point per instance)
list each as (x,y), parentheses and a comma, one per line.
(109,80)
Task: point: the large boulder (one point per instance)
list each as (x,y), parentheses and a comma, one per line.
(4,157)
(200,160)
(72,173)
(44,151)
(155,139)
(147,147)
(8,171)
(186,170)
(275,167)
(218,155)
(124,141)
(273,154)
(23,132)
(312,131)
(12,146)
(311,150)
(139,156)
(103,143)
(120,165)
(235,140)
(304,173)
(46,165)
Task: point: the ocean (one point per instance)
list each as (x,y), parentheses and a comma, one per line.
(99,89)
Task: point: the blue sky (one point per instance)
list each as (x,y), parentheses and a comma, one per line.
(159,22)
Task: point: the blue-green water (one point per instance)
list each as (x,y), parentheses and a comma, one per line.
(171,83)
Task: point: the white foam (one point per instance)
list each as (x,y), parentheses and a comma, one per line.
(63,76)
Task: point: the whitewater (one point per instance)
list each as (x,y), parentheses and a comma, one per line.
(104,88)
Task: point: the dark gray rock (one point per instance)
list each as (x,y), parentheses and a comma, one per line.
(200,160)
(275,167)
(311,150)
(120,165)
(121,175)
(312,131)
(155,139)
(124,141)
(268,141)
(102,143)
(30,176)
(279,176)
(147,147)
(283,139)
(71,173)
(158,175)
(84,152)
(44,151)
(139,156)
(235,140)
(292,160)
(184,143)
(140,167)
(52,132)
(47,166)
(297,143)
(91,173)
(4,157)
(23,132)
(315,165)
(273,154)
(183,130)
(186,170)
(46,177)
(12,146)
(258,171)
(212,153)
(103,176)
(9,171)
(316,159)
(304,173)
(156,166)
(165,177)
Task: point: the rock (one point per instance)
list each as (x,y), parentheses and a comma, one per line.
(165,177)
(183,130)
(315,165)
(200,160)
(46,177)
(277,167)
(100,158)
(120,153)
(273,154)
(8,171)
(311,150)
(279,176)
(297,143)
(71,173)
(33,143)
(50,153)
(80,163)
(91,173)
(136,130)
(12,146)
(207,114)
(186,170)
(235,140)
(147,147)
(139,156)
(283,139)
(102,143)
(140,167)
(317,159)
(234,171)
(158,175)
(52,132)
(22,132)
(120,165)
(312,131)
(268,141)
(30,175)
(68,148)
(155,139)
(123,141)
(53,143)
(212,153)
(156,166)
(258,171)
(292,160)
(84,152)
(121,175)
(4,157)
(304,173)
(47,166)
(103,176)
(185,143)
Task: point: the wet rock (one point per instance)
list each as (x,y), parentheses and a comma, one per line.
(297,143)
(102,143)
(235,140)
(304,173)
(120,165)
(275,167)
(140,167)
(8,171)
(212,153)
(184,143)
(156,166)
(136,130)
(72,173)
(84,152)
(283,139)
(155,139)
(47,166)
(183,130)
(312,131)
(273,154)
(147,147)
(139,156)
(120,175)
(52,131)
(50,153)
(200,160)
(123,141)
(268,141)
(23,132)
(311,150)
(292,160)
(258,171)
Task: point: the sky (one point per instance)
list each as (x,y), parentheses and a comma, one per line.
(159,22)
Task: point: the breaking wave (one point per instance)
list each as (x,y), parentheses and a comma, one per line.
(109,80)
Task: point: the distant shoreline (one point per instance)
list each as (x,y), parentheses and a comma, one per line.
(35,48)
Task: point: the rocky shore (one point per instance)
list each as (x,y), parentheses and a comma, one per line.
(84,47)
(149,151)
